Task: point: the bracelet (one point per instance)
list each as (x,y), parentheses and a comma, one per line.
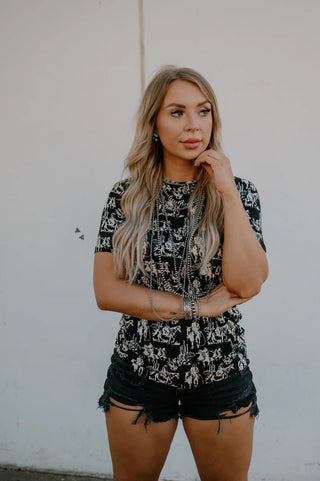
(188,315)
(193,308)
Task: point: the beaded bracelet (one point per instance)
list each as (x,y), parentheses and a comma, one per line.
(193,308)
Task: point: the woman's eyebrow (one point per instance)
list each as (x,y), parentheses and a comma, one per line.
(183,106)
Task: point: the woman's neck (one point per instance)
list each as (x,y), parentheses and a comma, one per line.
(181,173)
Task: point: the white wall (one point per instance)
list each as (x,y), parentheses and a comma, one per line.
(69,89)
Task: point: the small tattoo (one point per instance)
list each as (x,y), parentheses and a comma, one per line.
(172,313)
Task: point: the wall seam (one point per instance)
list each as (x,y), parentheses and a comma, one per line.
(141,35)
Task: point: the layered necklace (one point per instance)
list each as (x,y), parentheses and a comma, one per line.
(180,282)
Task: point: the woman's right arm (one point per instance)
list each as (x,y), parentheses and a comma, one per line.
(115,294)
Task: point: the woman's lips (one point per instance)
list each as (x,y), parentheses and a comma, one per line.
(192,143)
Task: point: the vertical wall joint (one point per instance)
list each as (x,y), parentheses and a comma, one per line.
(141,33)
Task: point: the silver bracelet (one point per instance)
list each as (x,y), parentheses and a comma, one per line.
(187,309)
(193,308)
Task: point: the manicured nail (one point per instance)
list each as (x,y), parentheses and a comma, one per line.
(194,162)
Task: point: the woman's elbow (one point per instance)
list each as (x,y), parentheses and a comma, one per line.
(248,292)
(250,289)
(253,288)
(102,306)
(245,289)
(103,302)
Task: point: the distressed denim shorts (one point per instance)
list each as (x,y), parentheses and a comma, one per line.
(160,402)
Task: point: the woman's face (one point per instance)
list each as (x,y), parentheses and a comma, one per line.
(184,122)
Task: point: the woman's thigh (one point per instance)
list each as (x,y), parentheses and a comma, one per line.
(138,452)
(222,449)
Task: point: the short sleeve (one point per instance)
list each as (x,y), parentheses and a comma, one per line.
(251,203)
(111,219)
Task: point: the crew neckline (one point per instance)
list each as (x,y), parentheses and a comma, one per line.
(180,183)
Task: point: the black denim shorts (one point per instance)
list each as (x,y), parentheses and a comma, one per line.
(160,402)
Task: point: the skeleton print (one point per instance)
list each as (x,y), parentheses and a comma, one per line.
(183,353)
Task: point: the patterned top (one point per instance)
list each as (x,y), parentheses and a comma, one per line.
(180,353)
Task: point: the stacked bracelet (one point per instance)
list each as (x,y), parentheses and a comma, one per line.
(187,305)
(193,308)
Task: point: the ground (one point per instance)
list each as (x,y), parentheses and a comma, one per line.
(18,474)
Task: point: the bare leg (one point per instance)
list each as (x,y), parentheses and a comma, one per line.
(137,454)
(223,456)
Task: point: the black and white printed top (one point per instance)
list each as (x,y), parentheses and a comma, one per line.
(180,353)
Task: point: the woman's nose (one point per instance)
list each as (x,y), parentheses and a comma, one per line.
(192,123)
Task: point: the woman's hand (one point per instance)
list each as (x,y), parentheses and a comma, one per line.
(218,167)
(219,300)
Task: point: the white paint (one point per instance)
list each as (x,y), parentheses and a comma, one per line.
(70,86)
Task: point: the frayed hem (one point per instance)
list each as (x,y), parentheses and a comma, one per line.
(105,402)
(253,410)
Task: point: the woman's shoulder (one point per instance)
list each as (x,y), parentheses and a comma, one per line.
(119,188)
(244,184)
(248,192)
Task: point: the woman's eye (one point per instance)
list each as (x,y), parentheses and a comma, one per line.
(177,113)
(205,112)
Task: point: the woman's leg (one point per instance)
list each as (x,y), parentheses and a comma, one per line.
(137,454)
(223,455)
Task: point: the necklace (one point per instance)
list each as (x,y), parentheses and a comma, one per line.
(182,273)
(185,262)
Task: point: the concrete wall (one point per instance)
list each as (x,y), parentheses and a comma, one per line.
(70,85)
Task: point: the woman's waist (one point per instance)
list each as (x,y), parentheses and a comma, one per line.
(232,315)
(183,371)
(168,338)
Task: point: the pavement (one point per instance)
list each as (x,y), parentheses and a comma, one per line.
(20,474)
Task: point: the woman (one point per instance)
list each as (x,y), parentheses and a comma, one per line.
(179,246)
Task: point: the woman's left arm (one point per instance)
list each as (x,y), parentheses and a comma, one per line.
(244,262)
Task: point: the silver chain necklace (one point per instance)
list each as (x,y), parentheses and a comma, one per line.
(184,270)
(190,228)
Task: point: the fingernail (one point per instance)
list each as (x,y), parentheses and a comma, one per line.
(194,162)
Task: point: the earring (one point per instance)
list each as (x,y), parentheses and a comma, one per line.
(155,137)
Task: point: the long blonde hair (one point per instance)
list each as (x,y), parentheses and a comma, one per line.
(145,166)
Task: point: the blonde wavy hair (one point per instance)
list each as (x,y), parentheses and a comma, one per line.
(145,166)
